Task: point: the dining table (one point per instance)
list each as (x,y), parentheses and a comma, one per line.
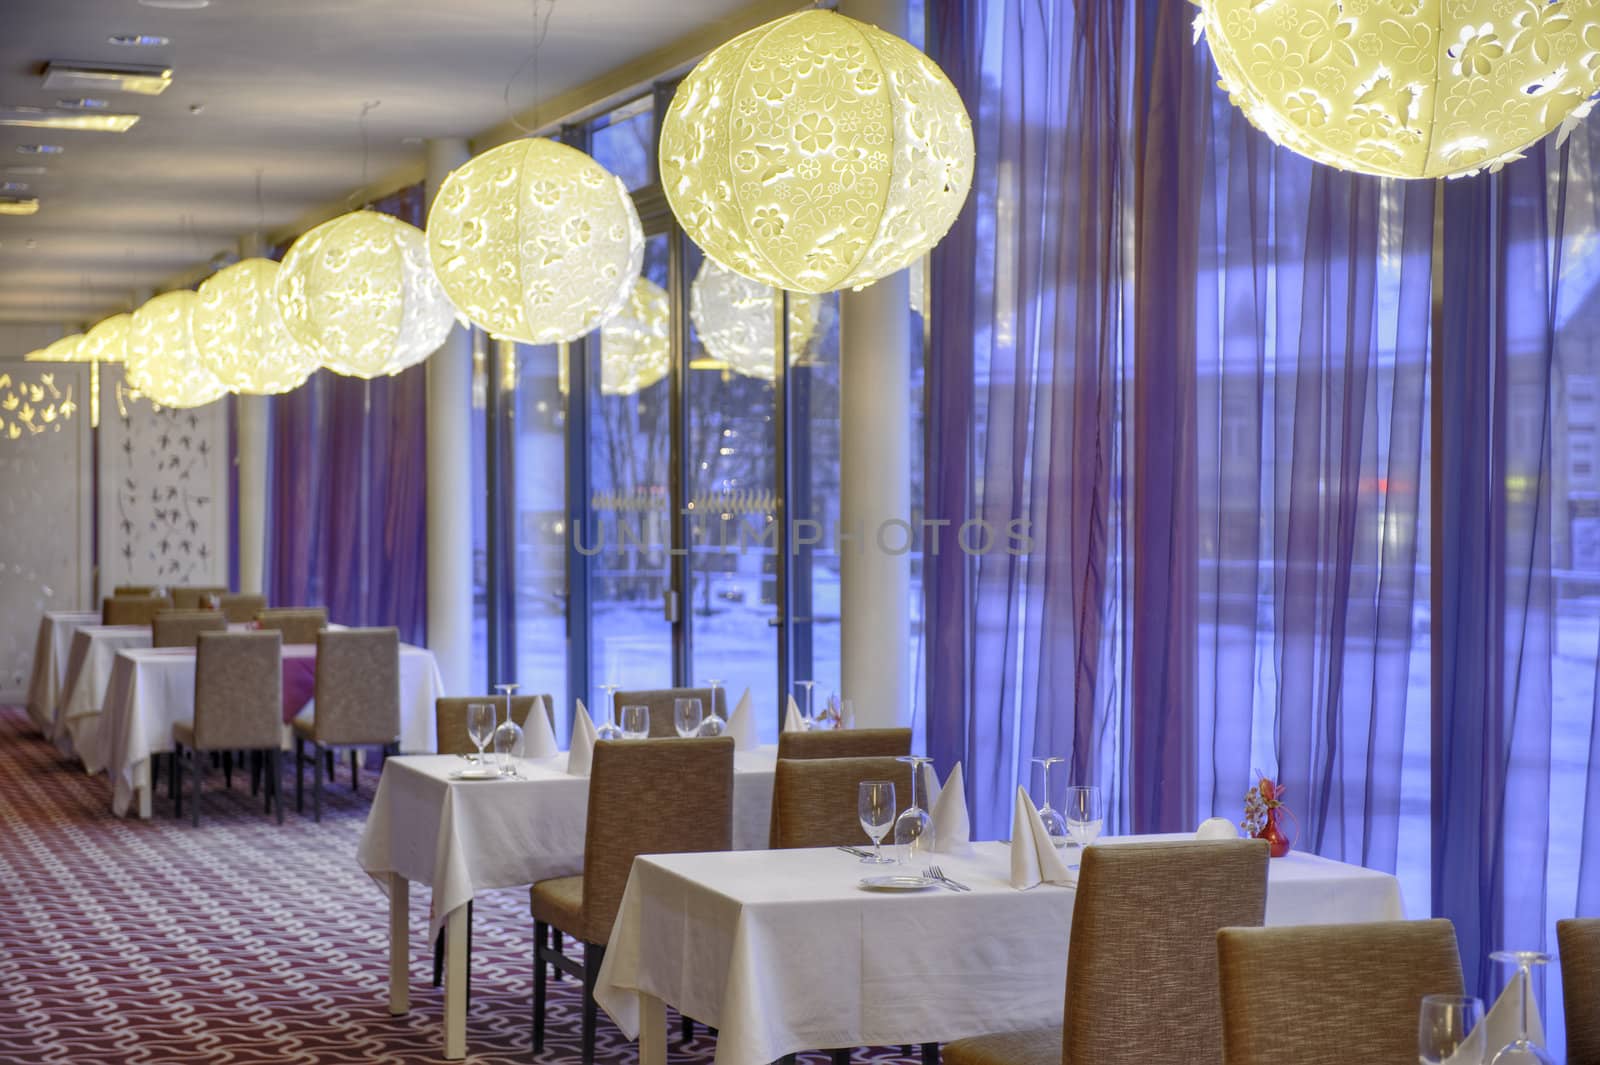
(459,837)
(51,648)
(83,688)
(783,951)
(152,688)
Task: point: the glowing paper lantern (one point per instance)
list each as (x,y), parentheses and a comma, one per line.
(240,336)
(1420,89)
(535,241)
(63,350)
(816,153)
(735,319)
(108,340)
(635,347)
(162,361)
(358,294)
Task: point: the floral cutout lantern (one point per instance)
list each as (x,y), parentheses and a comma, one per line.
(1406,88)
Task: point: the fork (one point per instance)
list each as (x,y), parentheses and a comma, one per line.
(938,874)
(857,851)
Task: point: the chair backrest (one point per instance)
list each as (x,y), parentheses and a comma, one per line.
(179,628)
(132,609)
(845,743)
(815,801)
(651,797)
(663,706)
(450,718)
(298,624)
(241,608)
(1579,942)
(238,691)
(358,686)
(194,596)
(134,589)
(1330,994)
(1142,959)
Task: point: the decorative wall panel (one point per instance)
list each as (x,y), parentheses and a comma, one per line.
(163,490)
(45,512)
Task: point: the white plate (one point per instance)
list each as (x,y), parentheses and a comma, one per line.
(897,883)
(479,773)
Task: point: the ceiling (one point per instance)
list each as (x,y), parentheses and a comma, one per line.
(270,92)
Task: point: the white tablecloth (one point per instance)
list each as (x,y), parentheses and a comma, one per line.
(783,953)
(83,691)
(153,687)
(462,837)
(50,652)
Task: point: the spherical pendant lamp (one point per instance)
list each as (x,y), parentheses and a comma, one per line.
(240,335)
(1406,88)
(816,153)
(108,340)
(635,348)
(535,241)
(63,350)
(162,361)
(358,294)
(735,319)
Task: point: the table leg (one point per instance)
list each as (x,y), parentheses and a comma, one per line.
(399,945)
(143,788)
(652,1030)
(455,984)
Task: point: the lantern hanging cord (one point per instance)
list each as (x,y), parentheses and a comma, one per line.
(366,150)
(541,29)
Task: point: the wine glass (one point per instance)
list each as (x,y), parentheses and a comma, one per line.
(507,690)
(508,747)
(1522,1050)
(1053,824)
(810,721)
(1447,1026)
(480,725)
(912,829)
(1085,814)
(875,807)
(686,715)
(636,722)
(713,724)
(607,728)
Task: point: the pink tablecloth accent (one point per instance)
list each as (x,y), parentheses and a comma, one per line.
(299,684)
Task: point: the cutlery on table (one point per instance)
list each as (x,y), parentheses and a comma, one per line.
(938,874)
(857,851)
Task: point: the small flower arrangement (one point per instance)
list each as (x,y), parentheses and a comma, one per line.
(1263,808)
(830,716)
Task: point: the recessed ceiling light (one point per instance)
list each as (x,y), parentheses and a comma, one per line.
(24,171)
(83,103)
(177,5)
(48,118)
(138,40)
(100,77)
(39,149)
(16,205)
(12,188)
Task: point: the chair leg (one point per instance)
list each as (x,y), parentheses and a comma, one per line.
(174,791)
(841,1056)
(688,1029)
(930,1054)
(438,959)
(274,787)
(557,943)
(539,932)
(255,773)
(593,955)
(199,770)
(355,774)
(227,770)
(316,781)
(332,776)
(299,775)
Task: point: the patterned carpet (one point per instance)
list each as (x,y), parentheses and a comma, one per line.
(239,942)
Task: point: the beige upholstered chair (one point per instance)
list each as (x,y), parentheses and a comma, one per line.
(663,706)
(450,718)
(845,743)
(239,609)
(179,628)
(194,596)
(1142,958)
(238,706)
(298,624)
(1355,989)
(645,797)
(132,609)
(815,800)
(1579,943)
(357,703)
(134,589)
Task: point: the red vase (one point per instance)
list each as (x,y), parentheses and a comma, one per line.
(1272,832)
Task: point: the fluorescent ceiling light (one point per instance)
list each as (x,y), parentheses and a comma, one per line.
(16,205)
(177,5)
(61,118)
(12,188)
(84,103)
(24,171)
(95,77)
(39,149)
(138,40)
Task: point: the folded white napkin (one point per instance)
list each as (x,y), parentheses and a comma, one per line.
(583,737)
(792,721)
(947,806)
(1034,859)
(1501,1025)
(538,738)
(1216,828)
(742,725)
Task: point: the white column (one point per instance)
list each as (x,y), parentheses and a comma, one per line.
(450,478)
(875,474)
(251,429)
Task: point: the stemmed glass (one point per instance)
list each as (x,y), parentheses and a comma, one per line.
(607,729)
(1447,1026)
(508,746)
(1522,1050)
(713,724)
(480,725)
(1085,814)
(810,721)
(912,829)
(686,717)
(1053,824)
(875,807)
(636,722)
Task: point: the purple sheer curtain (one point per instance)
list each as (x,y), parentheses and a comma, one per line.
(347,491)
